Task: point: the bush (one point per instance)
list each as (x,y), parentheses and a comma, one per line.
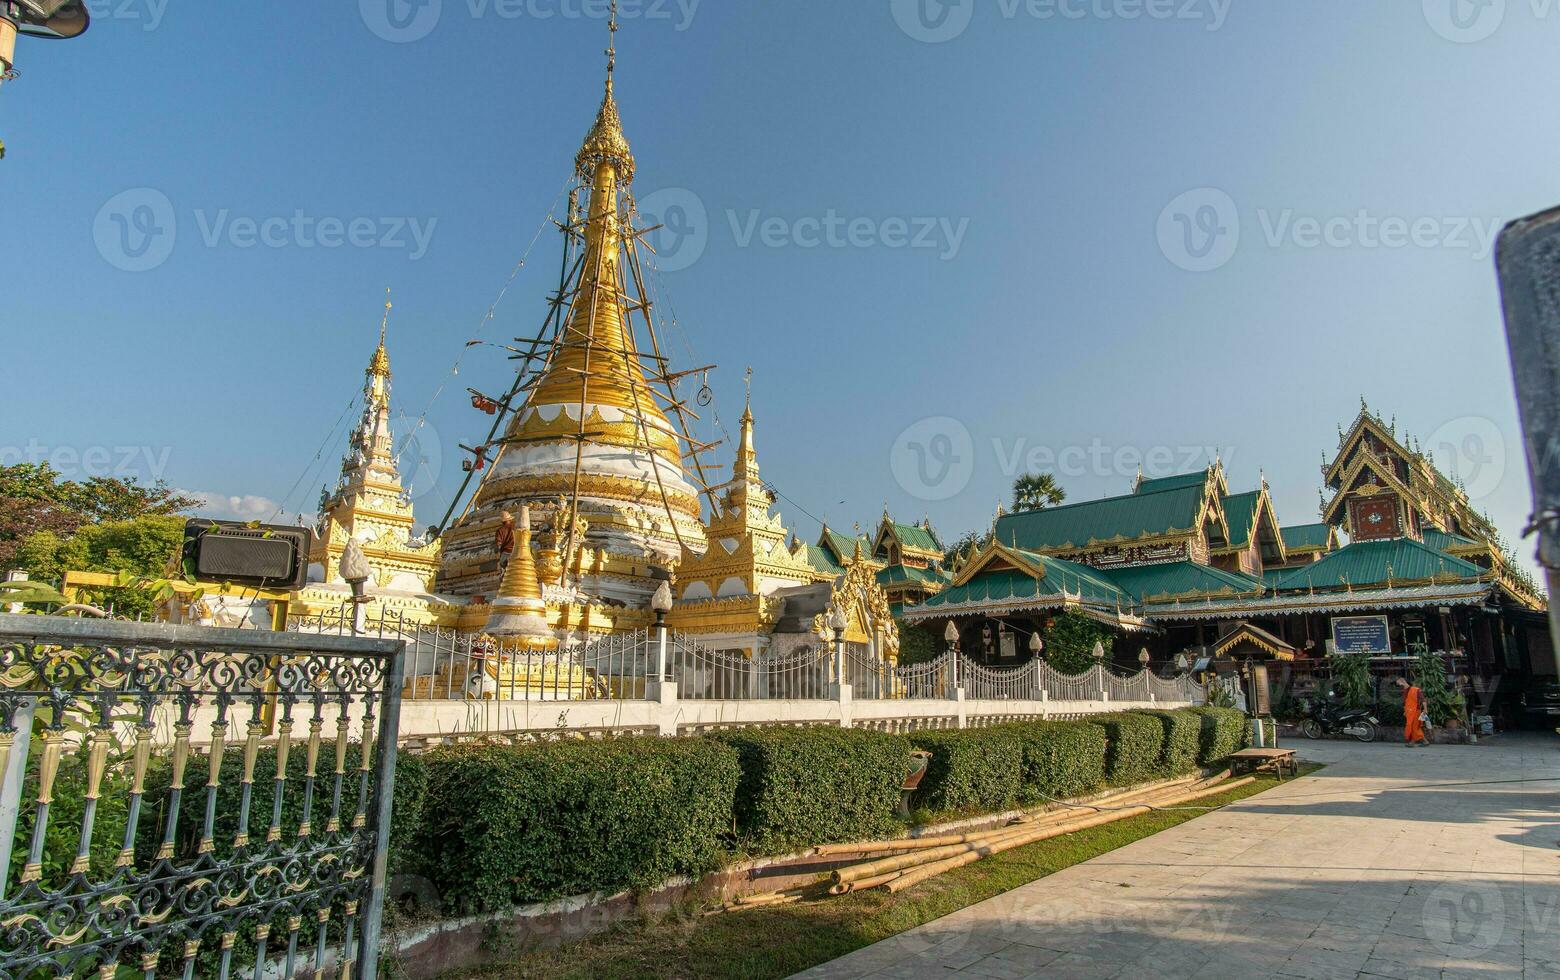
(976,769)
(807,786)
(1182,741)
(1225,731)
(537,822)
(1136,745)
(1061,759)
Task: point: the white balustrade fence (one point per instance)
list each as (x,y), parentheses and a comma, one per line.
(446,665)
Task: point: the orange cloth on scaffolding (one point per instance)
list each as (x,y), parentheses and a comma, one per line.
(1413,707)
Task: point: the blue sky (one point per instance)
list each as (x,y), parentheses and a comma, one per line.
(951,240)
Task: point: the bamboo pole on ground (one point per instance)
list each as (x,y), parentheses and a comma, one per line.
(1063,811)
(916,875)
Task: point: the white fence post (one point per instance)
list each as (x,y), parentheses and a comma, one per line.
(11,777)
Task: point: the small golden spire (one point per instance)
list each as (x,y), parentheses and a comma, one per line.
(519,610)
(380,365)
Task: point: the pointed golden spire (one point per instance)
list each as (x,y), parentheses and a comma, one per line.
(519,610)
(605,143)
(380,365)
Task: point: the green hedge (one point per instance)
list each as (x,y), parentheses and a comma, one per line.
(806,786)
(1225,731)
(1183,741)
(974,769)
(520,824)
(1061,759)
(1137,744)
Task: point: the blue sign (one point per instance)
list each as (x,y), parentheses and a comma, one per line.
(1362,634)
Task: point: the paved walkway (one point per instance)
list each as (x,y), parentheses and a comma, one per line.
(1392,862)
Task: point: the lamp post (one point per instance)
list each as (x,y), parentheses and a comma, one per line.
(838,622)
(661,604)
(355,571)
(57,19)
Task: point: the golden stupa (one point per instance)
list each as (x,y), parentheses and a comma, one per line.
(592,451)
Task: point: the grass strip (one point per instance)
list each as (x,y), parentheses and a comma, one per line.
(779,941)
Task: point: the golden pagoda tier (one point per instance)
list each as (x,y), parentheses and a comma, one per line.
(734,590)
(592,451)
(370,505)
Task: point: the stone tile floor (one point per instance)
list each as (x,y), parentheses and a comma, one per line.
(1396,863)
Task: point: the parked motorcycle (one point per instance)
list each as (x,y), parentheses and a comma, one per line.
(1324,719)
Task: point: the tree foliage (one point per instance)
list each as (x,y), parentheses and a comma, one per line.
(35,499)
(1037,491)
(1442,702)
(1069,642)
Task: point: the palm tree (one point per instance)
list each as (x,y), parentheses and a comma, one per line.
(1037,491)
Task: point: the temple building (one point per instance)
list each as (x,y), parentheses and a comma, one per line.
(591,447)
(369,504)
(593,465)
(1400,564)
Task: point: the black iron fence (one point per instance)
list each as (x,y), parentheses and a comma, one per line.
(181,801)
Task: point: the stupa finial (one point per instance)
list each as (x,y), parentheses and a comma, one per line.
(380,365)
(605,143)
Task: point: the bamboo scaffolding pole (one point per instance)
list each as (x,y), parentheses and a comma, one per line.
(932,869)
(1061,812)
(878,872)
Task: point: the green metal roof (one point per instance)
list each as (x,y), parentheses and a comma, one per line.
(1178,482)
(916,536)
(1061,577)
(899,574)
(1077,525)
(821,559)
(1271,576)
(1366,563)
(1240,511)
(843,545)
(1305,537)
(1182,579)
(1441,541)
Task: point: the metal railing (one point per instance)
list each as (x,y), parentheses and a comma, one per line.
(445,665)
(256,843)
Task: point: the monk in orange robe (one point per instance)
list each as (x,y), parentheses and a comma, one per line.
(1413,714)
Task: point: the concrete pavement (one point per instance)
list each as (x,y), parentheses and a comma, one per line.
(1397,863)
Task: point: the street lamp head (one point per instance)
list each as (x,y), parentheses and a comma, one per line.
(951,634)
(1143,656)
(1035,643)
(661,602)
(1099,650)
(57,19)
(838,620)
(354,566)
